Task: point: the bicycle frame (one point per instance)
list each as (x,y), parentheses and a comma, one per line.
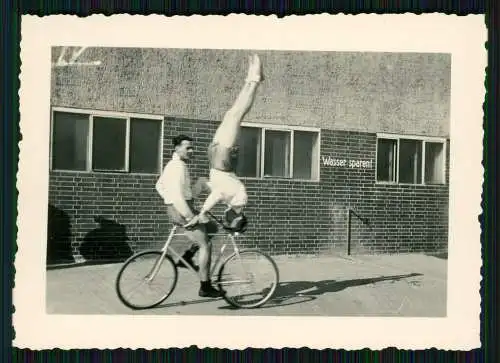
(167,248)
(220,271)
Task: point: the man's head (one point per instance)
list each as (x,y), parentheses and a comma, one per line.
(235,219)
(183,146)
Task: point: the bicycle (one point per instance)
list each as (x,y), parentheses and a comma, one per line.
(162,261)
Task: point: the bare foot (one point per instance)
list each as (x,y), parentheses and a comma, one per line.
(258,68)
(254,69)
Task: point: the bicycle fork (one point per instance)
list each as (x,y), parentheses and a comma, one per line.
(164,250)
(236,251)
(219,257)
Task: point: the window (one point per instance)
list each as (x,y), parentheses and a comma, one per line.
(434,162)
(70,138)
(145,141)
(386,160)
(277,153)
(273,152)
(83,141)
(108,144)
(410,160)
(249,156)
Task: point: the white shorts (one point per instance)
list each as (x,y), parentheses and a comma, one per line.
(233,191)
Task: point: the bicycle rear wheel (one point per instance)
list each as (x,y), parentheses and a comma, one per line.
(248,278)
(137,271)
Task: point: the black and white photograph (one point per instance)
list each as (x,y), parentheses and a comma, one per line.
(338,161)
(253,182)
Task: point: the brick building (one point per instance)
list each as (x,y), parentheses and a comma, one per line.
(329,132)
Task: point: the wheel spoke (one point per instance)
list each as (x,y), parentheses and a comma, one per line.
(242,273)
(142,266)
(134,290)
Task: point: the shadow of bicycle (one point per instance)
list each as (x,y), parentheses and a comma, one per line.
(299,292)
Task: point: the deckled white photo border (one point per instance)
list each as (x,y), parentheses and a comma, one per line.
(463,37)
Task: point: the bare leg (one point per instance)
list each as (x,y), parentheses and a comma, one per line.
(198,236)
(228,131)
(205,260)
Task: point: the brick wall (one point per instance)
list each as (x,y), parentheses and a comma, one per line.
(287,217)
(351,96)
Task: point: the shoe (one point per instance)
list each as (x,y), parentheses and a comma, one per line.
(210,292)
(188,257)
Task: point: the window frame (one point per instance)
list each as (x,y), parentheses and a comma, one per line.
(290,129)
(126,116)
(423,140)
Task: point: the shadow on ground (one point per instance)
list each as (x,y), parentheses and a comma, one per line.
(297,292)
(185,303)
(297,300)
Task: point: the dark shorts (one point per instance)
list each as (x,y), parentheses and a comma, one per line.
(177,218)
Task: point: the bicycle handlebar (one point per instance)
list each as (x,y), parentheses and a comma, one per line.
(216,218)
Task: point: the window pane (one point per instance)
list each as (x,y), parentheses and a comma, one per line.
(277,153)
(249,155)
(386,159)
(434,162)
(70,135)
(303,154)
(144,145)
(108,149)
(410,161)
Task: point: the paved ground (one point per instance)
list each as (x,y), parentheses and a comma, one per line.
(398,285)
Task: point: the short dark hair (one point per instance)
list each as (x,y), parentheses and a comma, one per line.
(177,140)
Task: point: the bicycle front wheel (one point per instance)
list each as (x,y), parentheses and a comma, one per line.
(248,278)
(146,280)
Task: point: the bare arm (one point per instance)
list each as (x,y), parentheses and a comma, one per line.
(212,199)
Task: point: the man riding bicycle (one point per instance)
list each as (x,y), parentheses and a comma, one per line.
(174,186)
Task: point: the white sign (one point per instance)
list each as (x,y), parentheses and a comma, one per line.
(363,164)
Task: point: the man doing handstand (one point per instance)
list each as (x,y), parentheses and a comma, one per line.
(224,185)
